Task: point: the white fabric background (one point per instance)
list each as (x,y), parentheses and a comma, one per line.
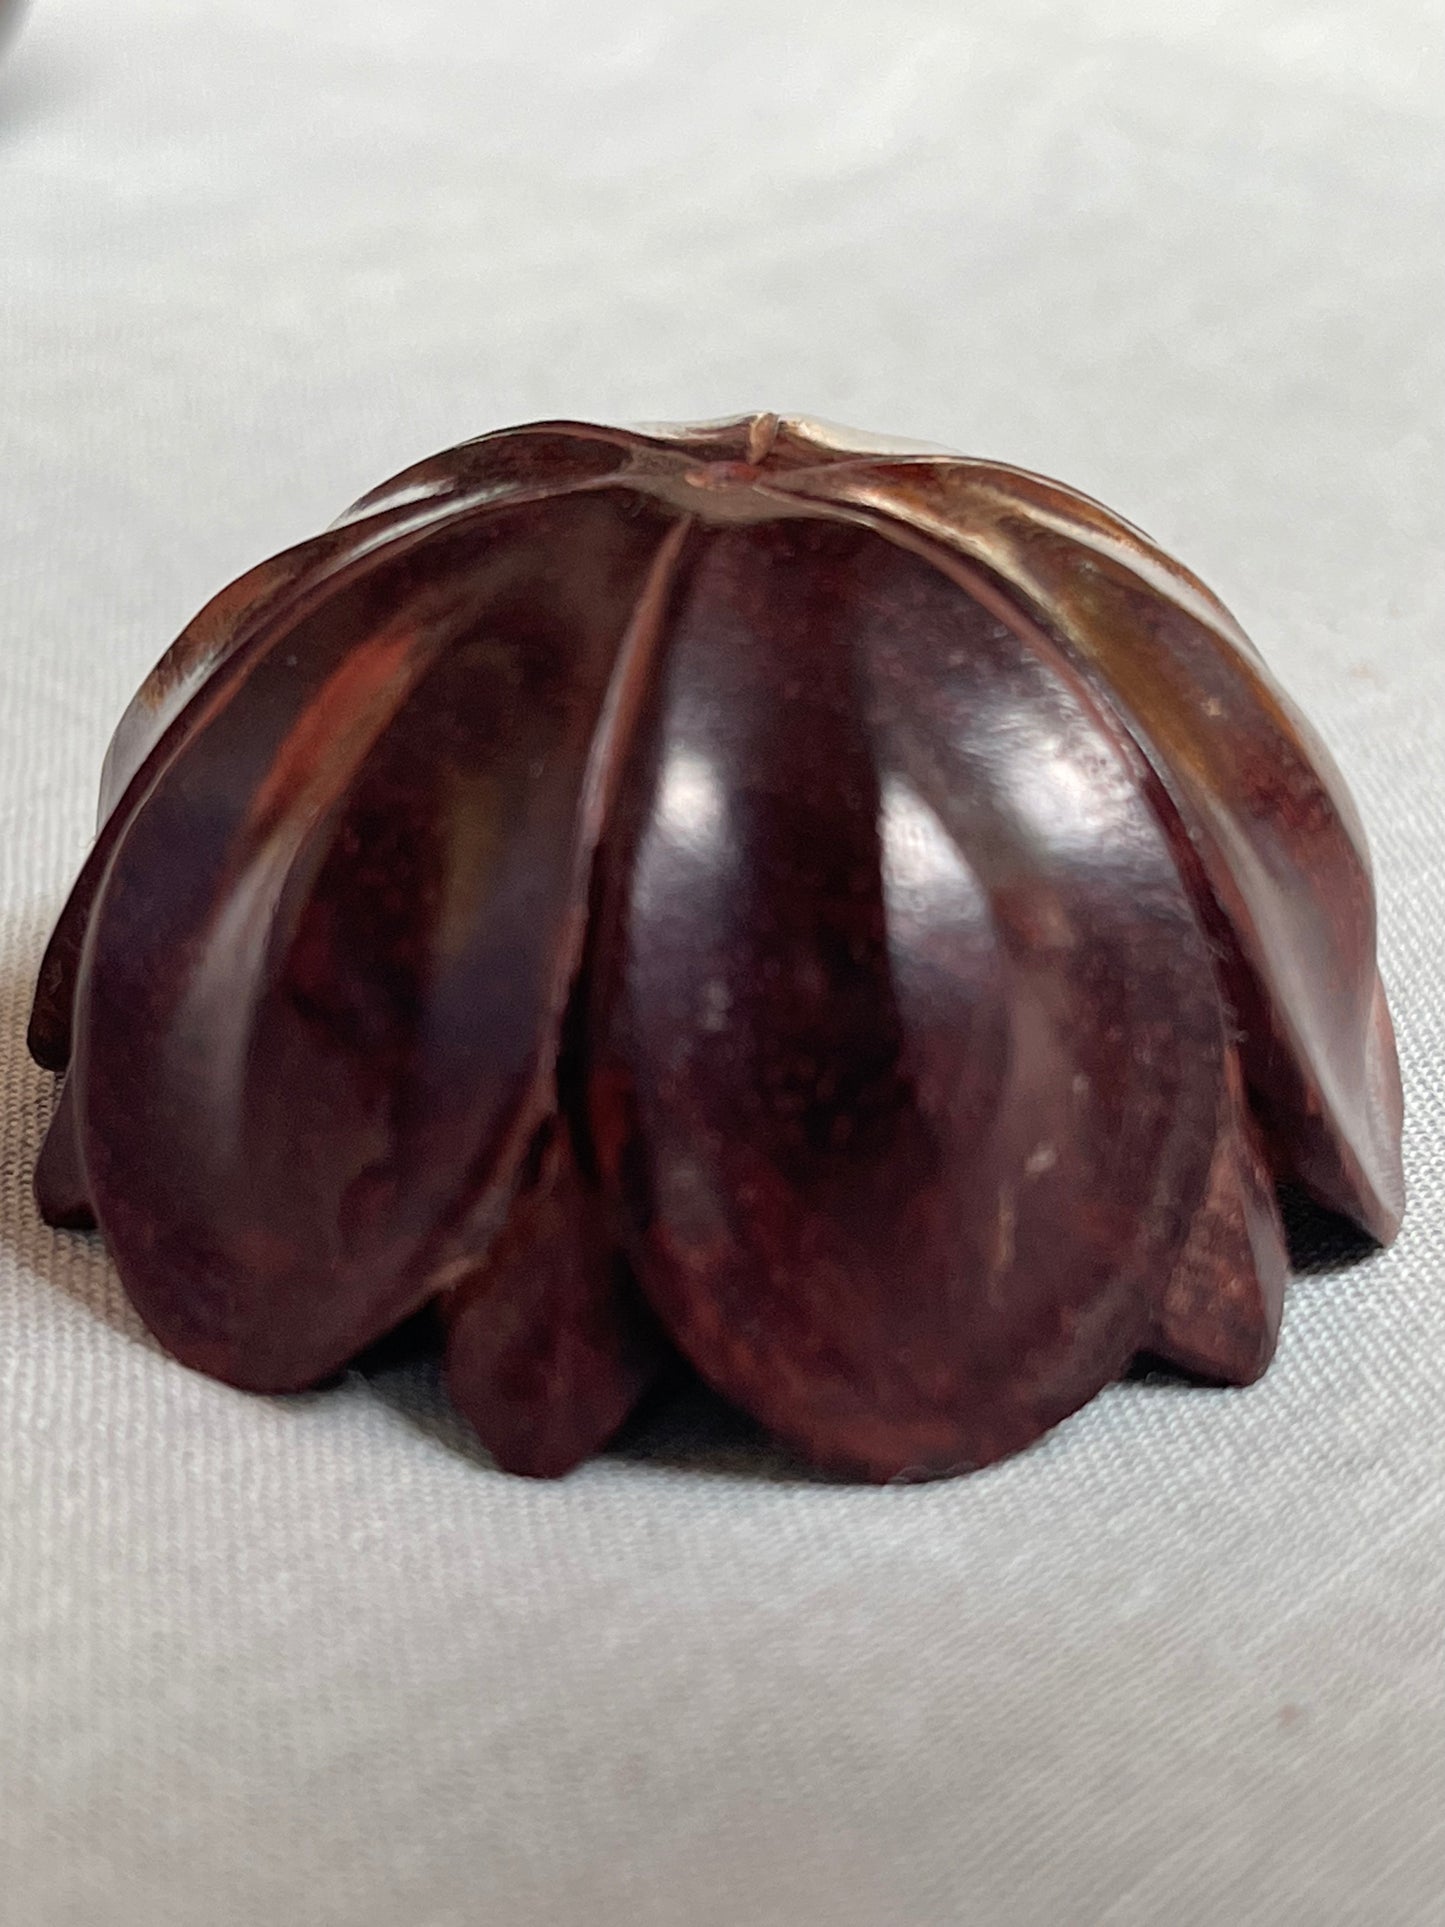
(313,1662)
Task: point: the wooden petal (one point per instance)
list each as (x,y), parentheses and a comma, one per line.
(536,458)
(1258,803)
(549,1345)
(1220,1313)
(208,663)
(908,1044)
(157,717)
(61,1188)
(320,996)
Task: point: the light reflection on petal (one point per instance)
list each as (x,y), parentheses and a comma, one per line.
(691,807)
(1074,799)
(919,856)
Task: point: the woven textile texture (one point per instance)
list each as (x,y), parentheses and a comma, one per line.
(312,1662)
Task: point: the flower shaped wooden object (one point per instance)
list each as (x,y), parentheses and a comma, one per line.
(863,919)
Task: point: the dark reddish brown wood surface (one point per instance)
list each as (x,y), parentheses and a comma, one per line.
(865,921)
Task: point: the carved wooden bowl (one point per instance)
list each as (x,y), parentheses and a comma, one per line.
(865,920)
